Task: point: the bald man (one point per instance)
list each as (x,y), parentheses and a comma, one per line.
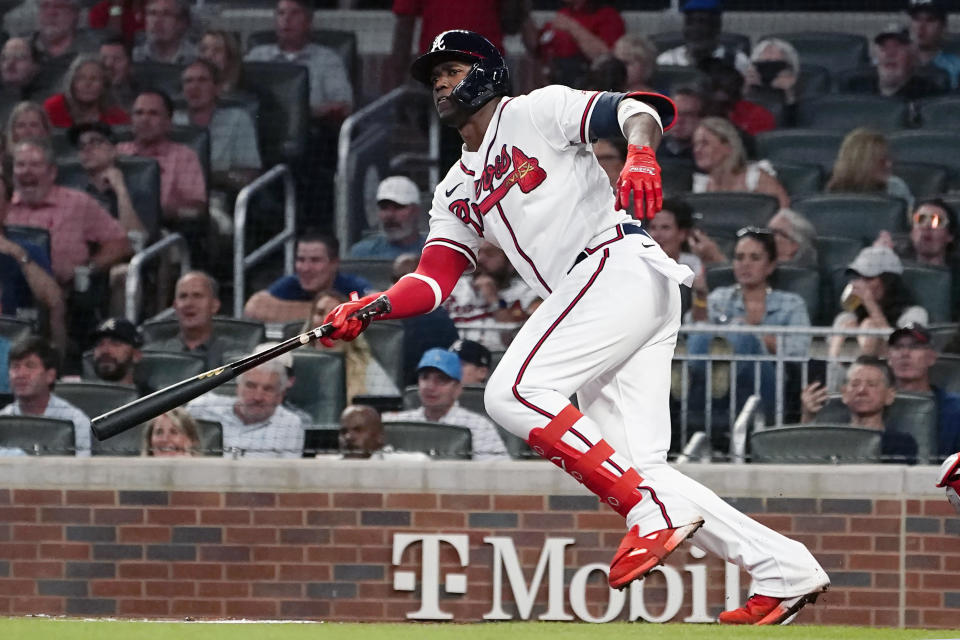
(361,437)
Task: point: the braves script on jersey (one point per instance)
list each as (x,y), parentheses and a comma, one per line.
(533,188)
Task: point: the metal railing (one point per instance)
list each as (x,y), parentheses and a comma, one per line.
(378,112)
(242,262)
(134,286)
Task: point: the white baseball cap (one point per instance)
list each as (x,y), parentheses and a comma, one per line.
(399,189)
(873,261)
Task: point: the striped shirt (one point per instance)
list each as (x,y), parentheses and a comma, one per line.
(279,436)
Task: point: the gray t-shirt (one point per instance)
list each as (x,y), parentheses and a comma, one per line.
(328,75)
(233,139)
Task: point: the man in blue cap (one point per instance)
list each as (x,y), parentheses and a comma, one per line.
(702,24)
(439,386)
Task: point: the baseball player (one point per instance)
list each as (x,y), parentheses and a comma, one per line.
(528,182)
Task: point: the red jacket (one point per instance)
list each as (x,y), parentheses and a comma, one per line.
(56,108)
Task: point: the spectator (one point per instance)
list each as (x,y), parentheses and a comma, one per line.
(910,354)
(775,64)
(604,74)
(331,96)
(125,18)
(434,329)
(183,190)
(196,301)
(316,268)
(33,366)
(895,75)
(174,433)
(365,375)
(494,293)
(928,25)
(719,154)
(725,99)
(475,361)
(932,241)
(577,35)
(863,165)
(639,55)
(167,24)
(74,219)
(234,156)
(678,141)
(702,25)
(116,351)
(361,437)
(220,47)
(611,153)
(398,209)
(26,280)
(490,18)
(96,148)
(877,298)
(796,238)
(18,67)
(85,97)
(868,391)
(122,87)
(254,423)
(27,121)
(57,38)
(439,386)
(671,228)
(752,301)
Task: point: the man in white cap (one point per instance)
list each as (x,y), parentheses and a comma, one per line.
(398,208)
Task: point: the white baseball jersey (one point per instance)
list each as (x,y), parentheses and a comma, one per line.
(533,188)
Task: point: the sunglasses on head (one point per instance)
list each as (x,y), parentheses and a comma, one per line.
(931,220)
(754,231)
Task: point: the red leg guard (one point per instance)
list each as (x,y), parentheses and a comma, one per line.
(618,491)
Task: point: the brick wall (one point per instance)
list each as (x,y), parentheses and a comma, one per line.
(295,554)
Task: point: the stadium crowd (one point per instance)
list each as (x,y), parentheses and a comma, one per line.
(810,183)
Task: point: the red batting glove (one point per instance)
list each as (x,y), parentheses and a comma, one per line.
(345,325)
(640,174)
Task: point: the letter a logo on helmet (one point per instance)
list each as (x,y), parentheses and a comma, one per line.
(488,76)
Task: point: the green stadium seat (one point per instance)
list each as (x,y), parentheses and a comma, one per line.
(436,440)
(815,444)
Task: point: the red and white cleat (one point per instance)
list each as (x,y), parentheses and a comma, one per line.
(637,554)
(762,610)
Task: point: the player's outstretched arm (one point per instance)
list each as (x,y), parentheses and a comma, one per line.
(414,294)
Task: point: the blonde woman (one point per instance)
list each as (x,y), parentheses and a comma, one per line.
(27,121)
(364,373)
(719,154)
(863,165)
(221,48)
(174,433)
(85,97)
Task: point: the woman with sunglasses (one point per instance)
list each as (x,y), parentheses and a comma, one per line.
(751,301)
(719,153)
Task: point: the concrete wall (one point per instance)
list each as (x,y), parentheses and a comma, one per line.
(372,541)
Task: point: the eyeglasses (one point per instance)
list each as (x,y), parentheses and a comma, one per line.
(930,220)
(754,231)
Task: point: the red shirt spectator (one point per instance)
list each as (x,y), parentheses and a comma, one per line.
(752,118)
(482,16)
(132,17)
(603,22)
(59,113)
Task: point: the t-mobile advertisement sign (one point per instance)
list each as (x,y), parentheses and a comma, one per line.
(562,604)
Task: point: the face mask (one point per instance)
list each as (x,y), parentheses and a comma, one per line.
(768,69)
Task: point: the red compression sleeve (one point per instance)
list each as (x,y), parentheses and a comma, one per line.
(412,296)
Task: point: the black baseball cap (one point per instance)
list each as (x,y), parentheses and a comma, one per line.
(917,332)
(895,31)
(472,352)
(77,130)
(936,8)
(119,329)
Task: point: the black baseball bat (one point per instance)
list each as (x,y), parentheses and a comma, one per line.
(160,401)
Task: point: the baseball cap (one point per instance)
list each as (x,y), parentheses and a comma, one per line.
(472,352)
(446,361)
(934,7)
(77,130)
(399,189)
(873,261)
(702,5)
(893,30)
(914,330)
(119,329)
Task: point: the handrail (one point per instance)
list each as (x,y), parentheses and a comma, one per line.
(697,449)
(751,412)
(137,262)
(354,120)
(240,262)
